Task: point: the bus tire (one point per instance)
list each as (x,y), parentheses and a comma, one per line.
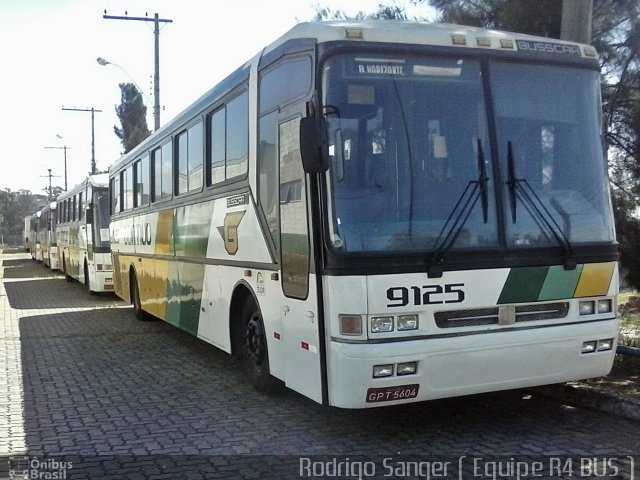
(139,313)
(255,353)
(67,277)
(87,283)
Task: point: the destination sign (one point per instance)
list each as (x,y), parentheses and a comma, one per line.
(529,46)
(383,69)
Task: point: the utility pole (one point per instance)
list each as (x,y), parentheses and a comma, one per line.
(65,163)
(156,72)
(576,20)
(50,192)
(93,134)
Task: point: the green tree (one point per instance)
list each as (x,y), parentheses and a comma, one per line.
(384,12)
(132,114)
(534,17)
(14,207)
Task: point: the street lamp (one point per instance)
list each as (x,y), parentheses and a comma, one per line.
(65,148)
(104,63)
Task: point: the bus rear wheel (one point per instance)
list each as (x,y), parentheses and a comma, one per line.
(139,313)
(255,354)
(67,277)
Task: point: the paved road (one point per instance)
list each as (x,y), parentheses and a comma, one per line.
(89,391)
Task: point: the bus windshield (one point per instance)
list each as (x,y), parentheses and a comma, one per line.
(410,156)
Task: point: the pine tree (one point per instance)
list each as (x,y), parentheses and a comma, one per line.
(132,113)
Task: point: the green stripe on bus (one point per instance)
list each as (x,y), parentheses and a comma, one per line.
(192,224)
(560,283)
(185,295)
(523,285)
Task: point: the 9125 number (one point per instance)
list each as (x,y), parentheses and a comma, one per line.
(425,295)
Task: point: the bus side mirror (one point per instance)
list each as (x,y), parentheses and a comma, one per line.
(88,215)
(313,144)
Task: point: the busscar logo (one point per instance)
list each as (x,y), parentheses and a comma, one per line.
(229,231)
(529,46)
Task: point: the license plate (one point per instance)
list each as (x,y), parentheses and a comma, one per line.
(390,394)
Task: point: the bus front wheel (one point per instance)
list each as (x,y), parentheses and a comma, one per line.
(87,283)
(256,356)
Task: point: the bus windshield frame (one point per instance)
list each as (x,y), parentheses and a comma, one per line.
(436,154)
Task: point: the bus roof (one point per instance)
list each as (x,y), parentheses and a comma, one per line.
(420,33)
(99,180)
(388,31)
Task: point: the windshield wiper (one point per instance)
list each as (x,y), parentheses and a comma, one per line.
(519,189)
(475,189)
(482,182)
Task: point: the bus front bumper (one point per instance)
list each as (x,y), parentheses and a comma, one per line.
(476,362)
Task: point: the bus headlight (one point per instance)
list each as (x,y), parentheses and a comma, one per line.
(381,324)
(605,306)
(587,307)
(604,345)
(588,347)
(407,322)
(382,371)
(409,368)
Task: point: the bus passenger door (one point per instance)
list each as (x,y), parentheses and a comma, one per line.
(300,299)
(284,88)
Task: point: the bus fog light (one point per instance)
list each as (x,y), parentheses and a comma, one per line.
(407,322)
(382,371)
(381,324)
(587,308)
(604,345)
(605,306)
(588,347)
(350,324)
(409,368)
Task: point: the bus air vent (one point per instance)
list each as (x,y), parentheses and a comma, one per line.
(489,316)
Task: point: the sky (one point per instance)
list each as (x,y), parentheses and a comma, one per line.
(48,52)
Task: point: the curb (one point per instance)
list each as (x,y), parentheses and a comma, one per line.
(595,399)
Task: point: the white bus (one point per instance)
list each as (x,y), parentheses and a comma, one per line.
(83,234)
(34,225)
(46,236)
(28,241)
(375,213)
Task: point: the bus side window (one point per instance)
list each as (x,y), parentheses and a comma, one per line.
(156,166)
(115,195)
(189,159)
(229,134)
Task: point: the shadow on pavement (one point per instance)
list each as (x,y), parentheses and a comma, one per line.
(54,292)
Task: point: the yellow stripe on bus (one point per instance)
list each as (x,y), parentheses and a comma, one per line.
(595,279)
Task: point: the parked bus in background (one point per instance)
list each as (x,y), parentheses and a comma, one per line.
(82,233)
(34,221)
(47,236)
(27,234)
(375,213)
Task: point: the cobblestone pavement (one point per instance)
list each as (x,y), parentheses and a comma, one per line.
(88,391)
